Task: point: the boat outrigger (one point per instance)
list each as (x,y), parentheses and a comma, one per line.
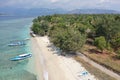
(17,43)
(21,57)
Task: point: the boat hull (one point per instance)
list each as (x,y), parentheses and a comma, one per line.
(17,58)
(17,44)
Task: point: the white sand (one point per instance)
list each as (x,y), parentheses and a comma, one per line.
(50,66)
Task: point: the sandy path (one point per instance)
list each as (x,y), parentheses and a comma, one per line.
(50,66)
(103,69)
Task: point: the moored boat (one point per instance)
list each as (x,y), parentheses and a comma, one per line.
(17,43)
(21,57)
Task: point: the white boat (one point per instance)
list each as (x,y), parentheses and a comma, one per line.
(19,43)
(21,57)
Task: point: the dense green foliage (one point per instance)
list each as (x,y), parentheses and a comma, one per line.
(100,42)
(40,28)
(69,32)
(68,39)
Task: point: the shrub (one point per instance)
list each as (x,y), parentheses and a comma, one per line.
(100,42)
(118,54)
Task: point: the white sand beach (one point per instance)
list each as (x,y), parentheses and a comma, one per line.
(51,66)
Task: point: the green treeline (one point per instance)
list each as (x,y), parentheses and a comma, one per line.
(70,32)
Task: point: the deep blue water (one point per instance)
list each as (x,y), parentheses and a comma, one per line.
(14,28)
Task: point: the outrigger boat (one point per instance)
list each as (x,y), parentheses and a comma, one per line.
(21,57)
(17,43)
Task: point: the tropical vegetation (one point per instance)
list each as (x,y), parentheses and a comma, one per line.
(70,32)
(95,35)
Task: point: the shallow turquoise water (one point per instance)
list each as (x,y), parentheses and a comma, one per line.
(14,29)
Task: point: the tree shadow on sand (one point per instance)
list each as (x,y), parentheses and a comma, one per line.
(59,52)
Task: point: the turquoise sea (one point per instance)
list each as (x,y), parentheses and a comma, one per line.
(14,28)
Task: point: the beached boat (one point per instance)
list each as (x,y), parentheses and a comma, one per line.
(21,57)
(19,43)
(32,34)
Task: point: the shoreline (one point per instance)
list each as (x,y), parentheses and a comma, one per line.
(36,62)
(51,66)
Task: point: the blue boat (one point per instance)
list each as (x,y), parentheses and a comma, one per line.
(21,57)
(20,43)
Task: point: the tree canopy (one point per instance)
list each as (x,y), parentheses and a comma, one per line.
(70,31)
